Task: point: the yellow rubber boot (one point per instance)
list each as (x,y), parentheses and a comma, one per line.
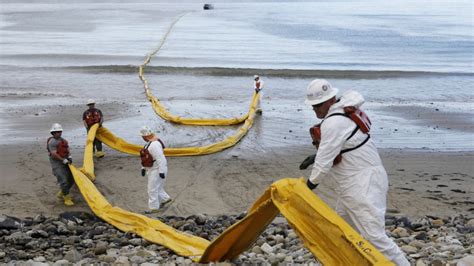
(99,154)
(60,194)
(68,200)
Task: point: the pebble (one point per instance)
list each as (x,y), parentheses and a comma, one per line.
(122,260)
(80,238)
(73,256)
(100,248)
(61,263)
(409,249)
(266,248)
(400,232)
(39,259)
(437,223)
(466,261)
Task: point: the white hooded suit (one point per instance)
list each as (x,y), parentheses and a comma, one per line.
(156,184)
(360,178)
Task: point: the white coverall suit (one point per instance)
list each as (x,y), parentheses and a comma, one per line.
(156,184)
(260,88)
(360,178)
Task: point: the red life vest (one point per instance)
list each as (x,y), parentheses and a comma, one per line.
(360,119)
(257,84)
(92,117)
(145,156)
(62,149)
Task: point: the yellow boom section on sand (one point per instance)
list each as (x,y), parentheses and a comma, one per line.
(323,232)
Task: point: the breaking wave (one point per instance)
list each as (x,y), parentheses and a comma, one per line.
(289,73)
(285,73)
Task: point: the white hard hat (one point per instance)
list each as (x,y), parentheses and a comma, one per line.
(319,91)
(256,76)
(56,127)
(145,131)
(90,101)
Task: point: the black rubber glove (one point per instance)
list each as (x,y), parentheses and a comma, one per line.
(311,185)
(307,162)
(143,171)
(69,159)
(162,175)
(257,90)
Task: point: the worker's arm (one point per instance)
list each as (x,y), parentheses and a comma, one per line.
(84,120)
(101,118)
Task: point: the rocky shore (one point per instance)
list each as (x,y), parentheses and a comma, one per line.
(81,238)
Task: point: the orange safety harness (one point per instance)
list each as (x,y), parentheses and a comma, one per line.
(92,117)
(257,84)
(63,147)
(361,120)
(147,159)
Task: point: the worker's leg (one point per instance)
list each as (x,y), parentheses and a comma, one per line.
(64,178)
(365,204)
(162,195)
(153,189)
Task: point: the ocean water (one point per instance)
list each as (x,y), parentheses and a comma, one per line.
(412,60)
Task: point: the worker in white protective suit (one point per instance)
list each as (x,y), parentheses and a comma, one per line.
(258,85)
(360,178)
(154,165)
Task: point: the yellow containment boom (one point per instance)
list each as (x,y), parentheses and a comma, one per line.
(323,232)
(121,145)
(163,113)
(150,229)
(161,110)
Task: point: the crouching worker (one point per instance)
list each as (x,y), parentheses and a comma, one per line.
(60,157)
(154,165)
(347,154)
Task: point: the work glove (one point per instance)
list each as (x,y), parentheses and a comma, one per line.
(162,175)
(69,159)
(307,162)
(65,161)
(311,185)
(143,171)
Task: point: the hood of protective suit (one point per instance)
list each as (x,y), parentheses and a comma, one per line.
(348,98)
(351,98)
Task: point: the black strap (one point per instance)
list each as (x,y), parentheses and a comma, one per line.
(341,114)
(148,145)
(345,115)
(358,146)
(353,132)
(162,144)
